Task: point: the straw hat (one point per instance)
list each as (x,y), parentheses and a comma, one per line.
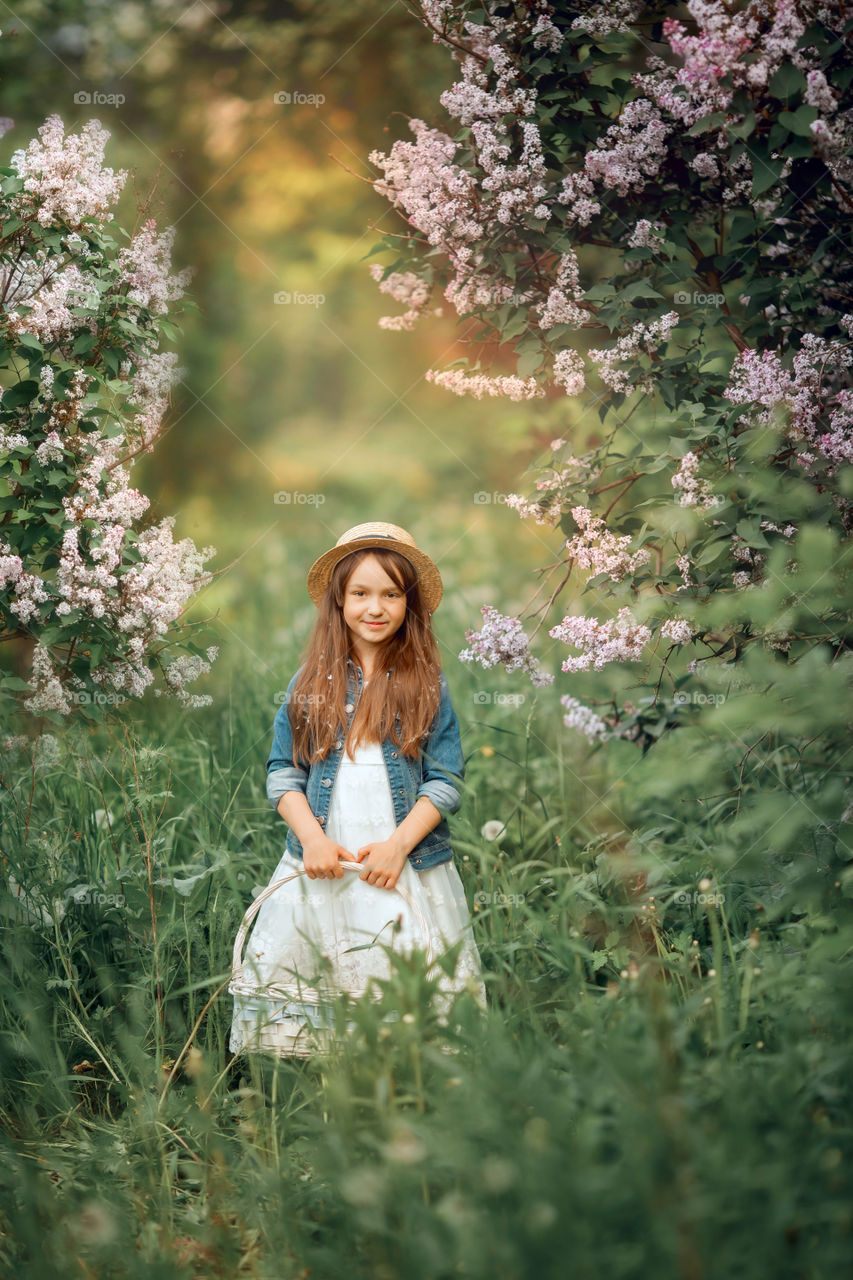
(377,533)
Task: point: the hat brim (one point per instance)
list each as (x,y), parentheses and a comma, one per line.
(320,573)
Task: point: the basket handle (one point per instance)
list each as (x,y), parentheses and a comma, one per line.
(255,906)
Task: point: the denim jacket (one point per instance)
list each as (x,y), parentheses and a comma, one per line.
(431,774)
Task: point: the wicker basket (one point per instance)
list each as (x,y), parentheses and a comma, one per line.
(242,984)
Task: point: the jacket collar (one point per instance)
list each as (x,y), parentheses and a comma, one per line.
(357,668)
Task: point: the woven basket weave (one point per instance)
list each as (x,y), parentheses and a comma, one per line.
(243,985)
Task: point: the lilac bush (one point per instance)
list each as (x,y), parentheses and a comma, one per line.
(85,387)
(647,203)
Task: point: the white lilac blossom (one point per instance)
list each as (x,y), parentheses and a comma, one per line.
(480,384)
(183,671)
(598,550)
(695,492)
(569,371)
(584,719)
(620,639)
(145,267)
(136,583)
(643,337)
(616,15)
(48,693)
(632,150)
(682,563)
(29,587)
(64,177)
(678,630)
(503,639)
(48,296)
(545,510)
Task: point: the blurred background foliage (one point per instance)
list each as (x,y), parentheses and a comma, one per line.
(314,401)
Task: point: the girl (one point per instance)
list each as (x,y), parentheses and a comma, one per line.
(365,755)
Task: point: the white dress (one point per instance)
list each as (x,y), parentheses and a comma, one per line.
(303,935)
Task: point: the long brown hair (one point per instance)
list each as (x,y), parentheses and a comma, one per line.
(400,705)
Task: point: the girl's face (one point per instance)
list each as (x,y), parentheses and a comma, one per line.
(374,606)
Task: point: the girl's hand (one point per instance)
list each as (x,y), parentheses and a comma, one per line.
(385,860)
(322,857)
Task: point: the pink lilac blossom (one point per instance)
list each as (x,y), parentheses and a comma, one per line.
(50,449)
(560,306)
(632,150)
(480,384)
(694,492)
(647,235)
(455,209)
(645,337)
(819,94)
(788,531)
(598,550)
(503,639)
(404,287)
(706,165)
(618,640)
(547,509)
(64,177)
(819,413)
(733,49)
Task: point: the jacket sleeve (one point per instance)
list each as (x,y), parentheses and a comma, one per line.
(282,774)
(443,761)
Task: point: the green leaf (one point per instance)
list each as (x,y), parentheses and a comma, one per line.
(766,173)
(751,533)
(638,289)
(787,81)
(528,363)
(14,683)
(712,552)
(798,121)
(20,394)
(31,342)
(83,343)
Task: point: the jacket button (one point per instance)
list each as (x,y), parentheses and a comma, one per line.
(322,821)
(338,746)
(394,755)
(349,707)
(400,791)
(327,782)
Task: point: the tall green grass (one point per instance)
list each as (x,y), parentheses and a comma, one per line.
(657,1083)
